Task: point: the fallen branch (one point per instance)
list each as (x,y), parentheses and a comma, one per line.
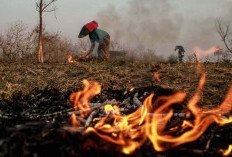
(82,120)
(70,111)
(126,101)
(137,102)
(90,118)
(93,107)
(6,116)
(209,141)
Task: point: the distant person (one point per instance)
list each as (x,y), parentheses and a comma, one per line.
(181,52)
(96,35)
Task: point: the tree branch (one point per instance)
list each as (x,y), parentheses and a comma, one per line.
(224,33)
(37,6)
(47,5)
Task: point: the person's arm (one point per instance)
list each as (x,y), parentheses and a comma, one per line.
(92,46)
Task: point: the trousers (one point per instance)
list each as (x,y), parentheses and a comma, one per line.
(103,49)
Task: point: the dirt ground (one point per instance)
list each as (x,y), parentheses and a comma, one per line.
(19,78)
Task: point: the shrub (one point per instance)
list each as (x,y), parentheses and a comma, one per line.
(172,59)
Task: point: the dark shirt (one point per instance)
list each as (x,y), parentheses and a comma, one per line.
(97,36)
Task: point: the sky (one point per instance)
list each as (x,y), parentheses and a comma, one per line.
(155,24)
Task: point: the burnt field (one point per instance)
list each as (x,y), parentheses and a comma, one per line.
(35,106)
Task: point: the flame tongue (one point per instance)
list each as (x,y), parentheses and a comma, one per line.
(203,118)
(124,131)
(81,98)
(70,59)
(227,151)
(156,76)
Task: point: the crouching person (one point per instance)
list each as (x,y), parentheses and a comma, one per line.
(103,38)
(97,36)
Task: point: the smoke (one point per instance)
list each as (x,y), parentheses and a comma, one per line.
(200,29)
(163,24)
(145,23)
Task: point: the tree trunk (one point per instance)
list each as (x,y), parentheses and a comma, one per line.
(40,53)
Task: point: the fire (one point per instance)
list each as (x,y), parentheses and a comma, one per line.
(227,151)
(74,120)
(132,89)
(203,118)
(70,59)
(156,75)
(186,124)
(124,131)
(151,120)
(81,98)
(199,51)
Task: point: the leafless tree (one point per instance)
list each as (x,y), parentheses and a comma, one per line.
(43,6)
(16,42)
(225,34)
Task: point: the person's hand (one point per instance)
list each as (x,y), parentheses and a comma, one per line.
(85,51)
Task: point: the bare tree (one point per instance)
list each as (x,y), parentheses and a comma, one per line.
(16,42)
(224,32)
(43,6)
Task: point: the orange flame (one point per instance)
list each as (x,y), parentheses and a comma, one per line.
(199,51)
(186,124)
(156,75)
(227,151)
(74,120)
(124,131)
(81,98)
(131,90)
(203,118)
(131,131)
(70,59)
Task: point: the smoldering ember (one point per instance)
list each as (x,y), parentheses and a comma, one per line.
(119,88)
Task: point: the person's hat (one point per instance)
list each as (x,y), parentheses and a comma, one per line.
(88,28)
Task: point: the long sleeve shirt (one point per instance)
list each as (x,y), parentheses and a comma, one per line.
(97,36)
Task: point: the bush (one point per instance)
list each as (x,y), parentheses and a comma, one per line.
(172,59)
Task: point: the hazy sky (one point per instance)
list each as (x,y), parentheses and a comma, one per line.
(176,22)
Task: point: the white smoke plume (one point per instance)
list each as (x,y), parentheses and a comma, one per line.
(145,23)
(161,24)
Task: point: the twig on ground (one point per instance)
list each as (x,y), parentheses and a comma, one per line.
(209,142)
(6,116)
(95,106)
(70,111)
(90,118)
(126,101)
(137,102)
(82,120)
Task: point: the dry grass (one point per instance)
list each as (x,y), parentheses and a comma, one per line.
(16,78)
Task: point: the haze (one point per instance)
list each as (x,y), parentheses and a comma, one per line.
(155,24)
